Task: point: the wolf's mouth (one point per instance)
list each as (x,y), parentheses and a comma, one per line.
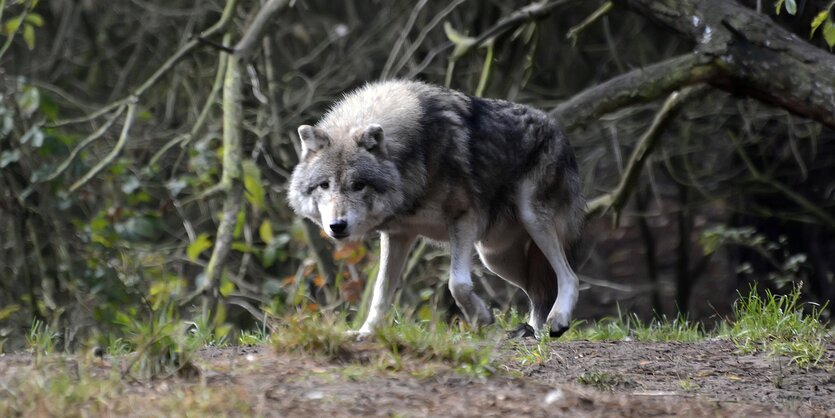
(340,236)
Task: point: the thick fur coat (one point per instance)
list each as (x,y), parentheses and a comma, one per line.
(410,159)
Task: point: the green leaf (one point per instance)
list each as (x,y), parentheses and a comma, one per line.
(49,109)
(140,228)
(29,36)
(144,115)
(34,19)
(202,243)
(34,136)
(791,7)
(175,186)
(252,183)
(243,247)
(270,255)
(817,21)
(239,224)
(8,157)
(829,33)
(266,231)
(226,287)
(11,25)
(6,124)
(130,184)
(29,100)
(777,6)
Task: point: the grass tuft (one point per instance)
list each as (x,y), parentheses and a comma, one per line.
(630,328)
(42,339)
(533,355)
(417,342)
(776,324)
(254,337)
(73,390)
(604,381)
(309,333)
(470,352)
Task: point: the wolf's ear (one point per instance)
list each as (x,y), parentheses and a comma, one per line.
(312,139)
(372,139)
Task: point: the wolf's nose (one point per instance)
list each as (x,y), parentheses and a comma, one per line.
(339,226)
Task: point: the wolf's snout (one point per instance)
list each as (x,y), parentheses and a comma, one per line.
(338,227)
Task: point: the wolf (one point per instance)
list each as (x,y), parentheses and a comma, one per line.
(409,159)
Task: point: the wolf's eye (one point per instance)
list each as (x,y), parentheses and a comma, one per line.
(324,185)
(358,186)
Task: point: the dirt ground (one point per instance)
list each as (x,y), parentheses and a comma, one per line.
(579,379)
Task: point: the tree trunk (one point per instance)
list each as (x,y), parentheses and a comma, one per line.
(736,49)
(755,56)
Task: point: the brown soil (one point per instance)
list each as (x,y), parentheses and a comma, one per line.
(621,379)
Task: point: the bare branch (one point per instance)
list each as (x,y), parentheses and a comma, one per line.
(617,198)
(186,138)
(801,201)
(83,144)
(186,49)
(748,47)
(107,160)
(637,86)
(574,32)
(246,46)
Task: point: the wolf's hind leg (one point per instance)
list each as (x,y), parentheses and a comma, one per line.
(544,228)
(394,249)
(508,251)
(462,237)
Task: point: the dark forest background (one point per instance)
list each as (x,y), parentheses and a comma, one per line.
(145,148)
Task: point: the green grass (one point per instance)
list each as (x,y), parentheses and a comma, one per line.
(630,328)
(401,344)
(774,324)
(162,345)
(72,390)
(42,339)
(604,380)
(688,385)
(777,325)
(470,352)
(535,354)
(254,337)
(312,334)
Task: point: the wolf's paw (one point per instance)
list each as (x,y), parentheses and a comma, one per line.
(485,317)
(360,335)
(556,333)
(558,325)
(522,331)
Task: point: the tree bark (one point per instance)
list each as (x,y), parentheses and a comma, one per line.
(736,49)
(755,56)
(637,86)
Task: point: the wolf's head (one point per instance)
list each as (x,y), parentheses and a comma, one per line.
(345,181)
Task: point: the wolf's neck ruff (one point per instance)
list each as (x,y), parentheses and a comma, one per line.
(409,159)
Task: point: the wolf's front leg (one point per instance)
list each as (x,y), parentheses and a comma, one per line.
(394,249)
(462,237)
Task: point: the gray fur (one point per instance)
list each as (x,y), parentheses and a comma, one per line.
(409,159)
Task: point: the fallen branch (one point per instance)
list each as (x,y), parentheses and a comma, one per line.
(748,47)
(637,86)
(617,198)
